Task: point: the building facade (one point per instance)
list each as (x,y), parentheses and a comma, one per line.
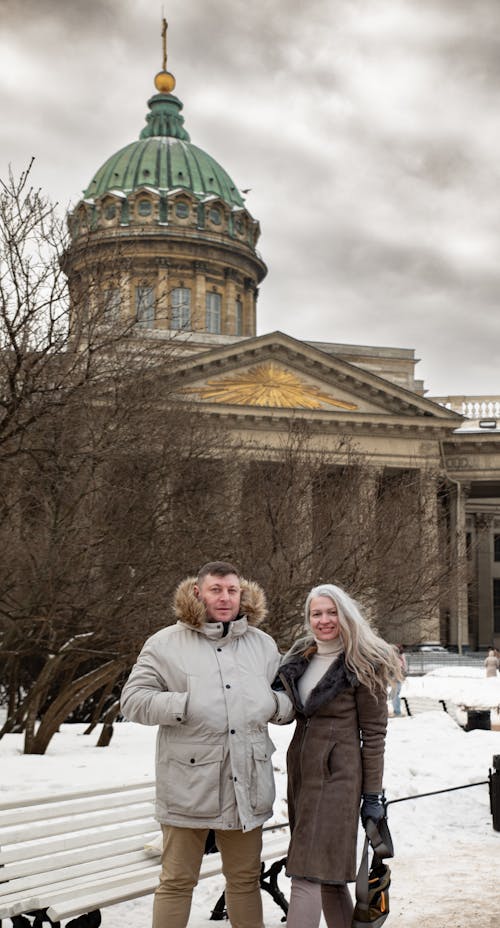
(163,243)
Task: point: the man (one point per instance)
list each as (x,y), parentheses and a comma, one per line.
(206,682)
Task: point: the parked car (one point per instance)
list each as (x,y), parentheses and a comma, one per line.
(430,647)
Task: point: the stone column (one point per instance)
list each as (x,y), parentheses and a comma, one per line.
(249,308)
(484,525)
(199,302)
(228,321)
(305,542)
(459,606)
(162,315)
(430,558)
(365,518)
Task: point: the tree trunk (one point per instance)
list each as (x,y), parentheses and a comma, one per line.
(73,694)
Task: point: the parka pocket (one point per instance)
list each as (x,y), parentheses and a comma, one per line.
(193,779)
(262,787)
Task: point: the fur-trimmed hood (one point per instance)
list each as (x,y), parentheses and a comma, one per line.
(191,610)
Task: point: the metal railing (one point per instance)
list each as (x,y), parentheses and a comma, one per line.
(420,662)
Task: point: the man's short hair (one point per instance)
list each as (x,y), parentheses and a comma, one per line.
(217,569)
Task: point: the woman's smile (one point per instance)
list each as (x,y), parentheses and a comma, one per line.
(323,618)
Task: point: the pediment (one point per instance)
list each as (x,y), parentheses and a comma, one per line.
(270,384)
(275,371)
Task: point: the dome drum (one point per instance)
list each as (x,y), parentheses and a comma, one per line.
(170,233)
(147,206)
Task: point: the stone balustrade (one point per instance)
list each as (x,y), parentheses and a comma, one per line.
(472,407)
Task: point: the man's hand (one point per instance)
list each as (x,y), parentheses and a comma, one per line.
(372,807)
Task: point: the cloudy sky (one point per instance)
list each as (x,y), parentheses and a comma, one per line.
(367,130)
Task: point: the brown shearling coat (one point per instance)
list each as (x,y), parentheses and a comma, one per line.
(336,754)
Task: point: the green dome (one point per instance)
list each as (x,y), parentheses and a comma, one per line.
(165,159)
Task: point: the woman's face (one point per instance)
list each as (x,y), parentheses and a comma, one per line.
(323,618)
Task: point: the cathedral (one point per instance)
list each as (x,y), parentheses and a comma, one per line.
(164,230)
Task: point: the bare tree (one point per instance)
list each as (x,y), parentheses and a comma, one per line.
(313,515)
(47,354)
(94,449)
(100,521)
(112,489)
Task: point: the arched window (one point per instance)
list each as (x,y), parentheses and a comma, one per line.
(213,312)
(144,207)
(181,308)
(111,304)
(145,306)
(215,216)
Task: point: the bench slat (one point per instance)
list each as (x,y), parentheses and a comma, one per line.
(25,833)
(82,839)
(74,807)
(94,867)
(81,855)
(86,903)
(40,897)
(36,799)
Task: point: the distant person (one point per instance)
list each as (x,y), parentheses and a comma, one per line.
(395,693)
(337,678)
(491,664)
(206,682)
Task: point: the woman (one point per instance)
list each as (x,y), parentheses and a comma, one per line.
(491,664)
(337,678)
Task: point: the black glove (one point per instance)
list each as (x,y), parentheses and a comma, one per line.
(373,807)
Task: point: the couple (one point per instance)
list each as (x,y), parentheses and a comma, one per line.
(211,683)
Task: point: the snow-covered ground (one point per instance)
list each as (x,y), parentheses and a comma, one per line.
(446,872)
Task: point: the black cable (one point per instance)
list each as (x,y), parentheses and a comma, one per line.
(436,792)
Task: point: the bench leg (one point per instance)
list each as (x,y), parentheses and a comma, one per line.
(272,887)
(219,912)
(22,921)
(90,920)
(39,918)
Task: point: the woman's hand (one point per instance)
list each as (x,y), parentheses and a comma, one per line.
(372,807)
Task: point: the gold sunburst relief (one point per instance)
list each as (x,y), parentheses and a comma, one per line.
(267,385)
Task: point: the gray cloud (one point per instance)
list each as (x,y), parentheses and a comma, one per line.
(368,131)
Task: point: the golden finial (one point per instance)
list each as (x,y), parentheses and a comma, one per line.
(164,80)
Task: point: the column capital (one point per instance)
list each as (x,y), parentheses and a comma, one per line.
(484,521)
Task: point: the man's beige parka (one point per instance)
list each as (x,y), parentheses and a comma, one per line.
(210,694)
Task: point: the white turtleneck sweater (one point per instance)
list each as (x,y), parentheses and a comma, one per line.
(327,652)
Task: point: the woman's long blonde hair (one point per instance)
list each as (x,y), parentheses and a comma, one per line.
(374,661)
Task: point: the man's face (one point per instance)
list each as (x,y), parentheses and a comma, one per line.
(221,597)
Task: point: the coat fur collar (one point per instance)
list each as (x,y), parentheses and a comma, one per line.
(191,610)
(336,679)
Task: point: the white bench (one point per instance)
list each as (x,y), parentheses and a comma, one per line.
(74,853)
(414,705)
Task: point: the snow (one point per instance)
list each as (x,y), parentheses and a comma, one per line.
(445,872)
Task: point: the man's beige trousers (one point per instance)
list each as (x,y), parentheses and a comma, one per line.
(181,861)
